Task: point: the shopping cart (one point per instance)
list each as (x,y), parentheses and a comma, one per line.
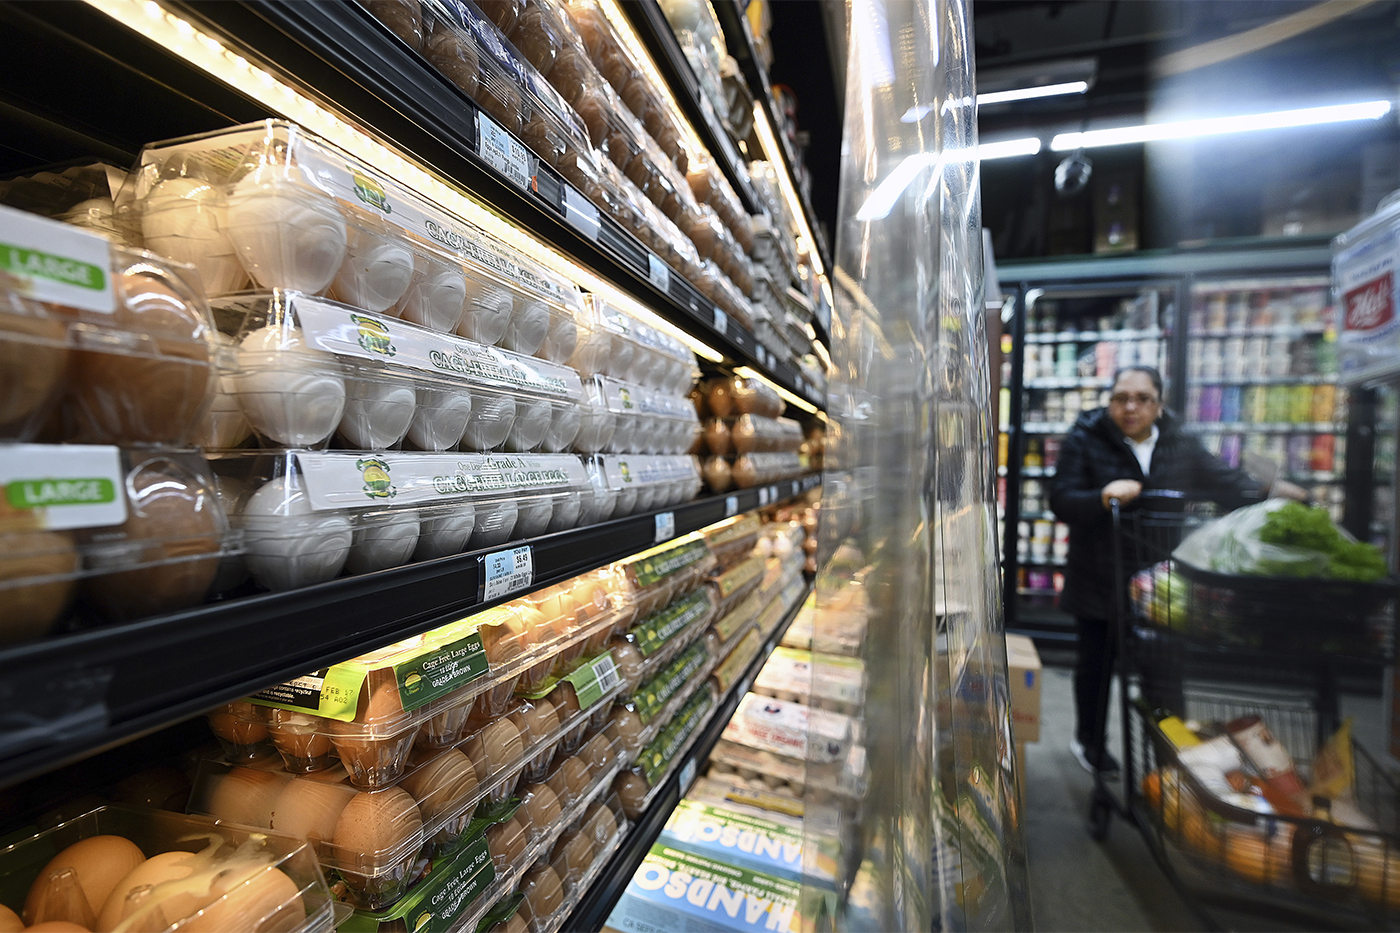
(1212,648)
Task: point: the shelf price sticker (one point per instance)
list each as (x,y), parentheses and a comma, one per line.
(506,572)
(763,498)
(687,776)
(658,273)
(581,214)
(731,506)
(773,493)
(721,321)
(502,151)
(665,526)
(796,487)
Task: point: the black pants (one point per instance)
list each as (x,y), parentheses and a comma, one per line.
(1093,673)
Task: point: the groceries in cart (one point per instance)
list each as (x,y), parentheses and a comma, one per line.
(1159,593)
(1279,538)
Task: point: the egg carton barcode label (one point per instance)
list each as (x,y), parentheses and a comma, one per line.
(506,572)
(503,151)
(594,680)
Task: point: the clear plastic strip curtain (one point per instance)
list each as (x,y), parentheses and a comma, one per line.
(919,828)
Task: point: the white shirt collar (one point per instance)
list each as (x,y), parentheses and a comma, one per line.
(1143,449)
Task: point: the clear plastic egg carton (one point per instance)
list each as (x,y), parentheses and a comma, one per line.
(304,371)
(636,788)
(106,535)
(635,722)
(622,347)
(645,421)
(255,880)
(653,578)
(554,886)
(731,396)
(580,698)
(269,205)
(643,650)
(751,434)
(709,186)
(734,538)
(638,483)
(756,469)
(82,194)
(306,516)
(127,358)
(547,632)
(730,586)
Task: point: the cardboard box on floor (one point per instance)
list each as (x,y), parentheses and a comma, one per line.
(1023,673)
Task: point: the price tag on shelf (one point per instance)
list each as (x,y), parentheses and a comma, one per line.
(796,487)
(658,273)
(763,497)
(773,493)
(731,506)
(665,526)
(687,776)
(721,321)
(581,214)
(506,572)
(502,151)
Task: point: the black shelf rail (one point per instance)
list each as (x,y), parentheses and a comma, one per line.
(593,910)
(337,51)
(71,696)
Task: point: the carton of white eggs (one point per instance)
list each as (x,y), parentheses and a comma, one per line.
(309,516)
(618,345)
(646,420)
(640,482)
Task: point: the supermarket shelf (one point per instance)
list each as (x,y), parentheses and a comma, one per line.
(1045,515)
(1036,591)
(1315,379)
(598,902)
(1094,336)
(337,50)
(66,697)
(1047,427)
(1069,382)
(1262,330)
(1048,562)
(1266,427)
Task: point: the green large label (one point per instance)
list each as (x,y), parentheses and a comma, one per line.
(33,263)
(660,627)
(652,570)
(435,903)
(658,691)
(43,493)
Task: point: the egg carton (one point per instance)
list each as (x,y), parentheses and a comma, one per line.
(258,880)
(620,346)
(637,787)
(580,697)
(126,359)
(636,721)
(842,781)
(819,680)
(732,539)
(731,586)
(711,188)
(729,625)
(307,515)
(647,421)
(643,650)
(751,434)
(727,673)
(106,535)
(733,396)
(653,578)
(81,193)
(750,470)
(272,204)
(640,483)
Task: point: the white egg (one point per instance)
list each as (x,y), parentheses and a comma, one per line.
(375,273)
(534,516)
(567,510)
(562,339)
(528,327)
(440,419)
(589,506)
(626,501)
(591,354)
(445,535)
(532,418)
(287,234)
(564,425)
(486,314)
(436,299)
(647,498)
(377,413)
(490,422)
(494,523)
(224,425)
(186,219)
(624,436)
(291,394)
(620,356)
(383,541)
(645,364)
(286,543)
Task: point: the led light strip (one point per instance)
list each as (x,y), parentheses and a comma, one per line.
(209,54)
(788,397)
(774,152)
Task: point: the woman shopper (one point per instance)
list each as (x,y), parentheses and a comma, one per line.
(1117,452)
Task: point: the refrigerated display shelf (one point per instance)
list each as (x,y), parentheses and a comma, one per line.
(1047,427)
(69,696)
(1314,379)
(1263,330)
(1036,591)
(1030,472)
(599,900)
(1093,336)
(1069,382)
(1266,427)
(1043,562)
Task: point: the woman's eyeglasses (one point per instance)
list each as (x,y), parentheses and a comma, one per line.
(1141,400)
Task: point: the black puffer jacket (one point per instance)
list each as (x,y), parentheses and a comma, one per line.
(1094,454)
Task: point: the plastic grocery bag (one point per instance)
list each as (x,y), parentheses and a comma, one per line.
(1231,545)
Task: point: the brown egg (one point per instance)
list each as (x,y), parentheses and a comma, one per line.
(246,797)
(32,608)
(625,727)
(33,361)
(302,739)
(506,640)
(592,110)
(565,700)
(154,394)
(539,808)
(231,722)
(537,37)
(375,745)
(629,664)
(543,137)
(591,597)
(506,841)
(403,17)
(258,897)
(499,98)
(442,785)
(543,894)
(573,856)
(10,921)
(717,473)
(570,780)
(310,809)
(598,752)
(615,69)
(176,523)
(503,13)
(515,923)
(94,865)
(454,56)
(572,73)
(717,437)
(56,926)
(632,789)
(601,823)
(636,94)
(721,399)
(746,474)
(496,746)
(168,866)
(377,821)
(536,720)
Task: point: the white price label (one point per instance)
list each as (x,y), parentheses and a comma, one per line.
(773,493)
(506,572)
(763,496)
(796,487)
(581,214)
(665,526)
(687,776)
(731,506)
(658,273)
(721,321)
(504,152)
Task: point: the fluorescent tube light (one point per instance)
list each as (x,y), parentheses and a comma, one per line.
(882,200)
(1216,126)
(1031,93)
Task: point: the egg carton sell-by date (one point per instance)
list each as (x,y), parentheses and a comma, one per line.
(629,484)
(133,532)
(298,370)
(307,515)
(272,205)
(152,862)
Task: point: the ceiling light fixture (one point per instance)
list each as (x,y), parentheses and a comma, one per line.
(1217,126)
(1031,93)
